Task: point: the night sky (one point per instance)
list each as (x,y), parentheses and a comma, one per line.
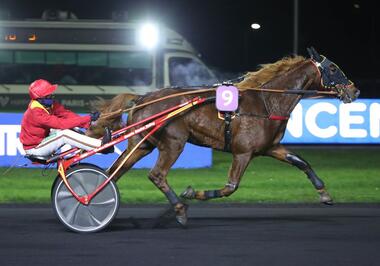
(346,31)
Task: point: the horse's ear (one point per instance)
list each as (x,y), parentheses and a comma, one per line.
(310,52)
(316,56)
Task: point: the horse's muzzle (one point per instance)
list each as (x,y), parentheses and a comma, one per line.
(348,94)
(357,93)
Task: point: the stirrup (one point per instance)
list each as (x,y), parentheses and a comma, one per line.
(37,158)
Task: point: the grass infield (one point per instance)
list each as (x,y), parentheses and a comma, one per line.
(350,175)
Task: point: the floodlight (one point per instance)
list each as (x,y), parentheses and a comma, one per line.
(255,26)
(148,35)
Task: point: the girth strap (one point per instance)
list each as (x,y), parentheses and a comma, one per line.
(227,131)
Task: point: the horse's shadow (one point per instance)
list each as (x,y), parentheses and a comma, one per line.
(166,220)
(167,223)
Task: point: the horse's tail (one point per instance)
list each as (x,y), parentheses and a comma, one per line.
(111,113)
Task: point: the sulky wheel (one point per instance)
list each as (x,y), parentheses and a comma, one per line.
(98,214)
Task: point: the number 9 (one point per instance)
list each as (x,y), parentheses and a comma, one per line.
(227,97)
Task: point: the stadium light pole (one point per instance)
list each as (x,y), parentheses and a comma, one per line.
(295,27)
(255,26)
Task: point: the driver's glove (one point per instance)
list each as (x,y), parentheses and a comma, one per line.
(94,116)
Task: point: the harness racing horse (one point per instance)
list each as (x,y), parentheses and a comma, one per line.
(257,128)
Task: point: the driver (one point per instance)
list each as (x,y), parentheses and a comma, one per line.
(46,124)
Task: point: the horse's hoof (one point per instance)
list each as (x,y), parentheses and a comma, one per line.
(325,198)
(189,193)
(181,215)
(182,220)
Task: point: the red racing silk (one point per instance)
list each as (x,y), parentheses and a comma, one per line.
(37,122)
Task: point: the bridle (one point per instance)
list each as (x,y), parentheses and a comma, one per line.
(329,85)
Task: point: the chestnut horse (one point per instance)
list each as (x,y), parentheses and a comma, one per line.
(257,128)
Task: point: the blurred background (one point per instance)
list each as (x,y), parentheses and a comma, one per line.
(222,33)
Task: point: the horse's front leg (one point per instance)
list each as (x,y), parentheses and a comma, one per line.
(239,164)
(168,154)
(279,152)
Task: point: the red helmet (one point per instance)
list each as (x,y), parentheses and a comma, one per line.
(41,88)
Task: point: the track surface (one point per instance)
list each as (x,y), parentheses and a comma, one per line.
(217,235)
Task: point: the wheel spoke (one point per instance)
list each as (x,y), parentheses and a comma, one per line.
(92,219)
(100,180)
(81,182)
(63,195)
(103,203)
(72,213)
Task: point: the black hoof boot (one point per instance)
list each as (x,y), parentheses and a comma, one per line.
(325,198)
(181,214)
(189,193)
(107,138)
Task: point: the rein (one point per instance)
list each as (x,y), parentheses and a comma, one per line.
(154,101)
(304,92)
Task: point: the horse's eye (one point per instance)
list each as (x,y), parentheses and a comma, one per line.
(332,69)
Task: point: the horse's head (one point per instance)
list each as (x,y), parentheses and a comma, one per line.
(333,78)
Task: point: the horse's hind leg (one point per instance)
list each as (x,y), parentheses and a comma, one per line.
(239,164)
(279,152)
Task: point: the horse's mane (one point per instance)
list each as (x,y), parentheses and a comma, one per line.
(268,72)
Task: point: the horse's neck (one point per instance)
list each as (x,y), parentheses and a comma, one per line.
(300,78)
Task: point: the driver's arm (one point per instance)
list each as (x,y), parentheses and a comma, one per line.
(46,120)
